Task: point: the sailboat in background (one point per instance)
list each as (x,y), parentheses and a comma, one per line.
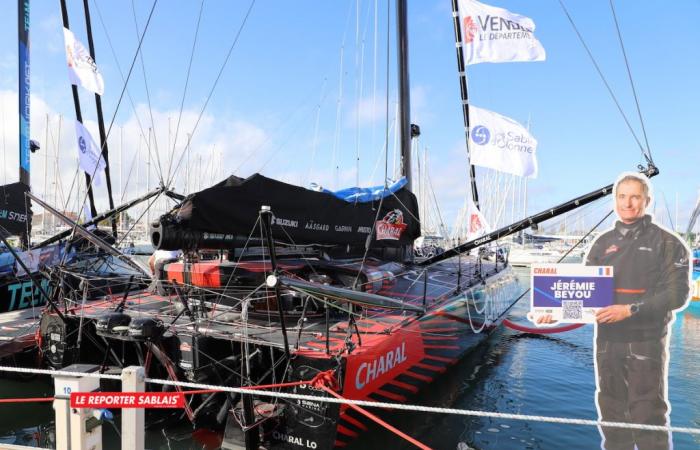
(695,292)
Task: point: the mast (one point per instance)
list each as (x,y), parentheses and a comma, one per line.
(100,120)
(23,43)
(464,94)
(78,115)
(24,84)
(404,94)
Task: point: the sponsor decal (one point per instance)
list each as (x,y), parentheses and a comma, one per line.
(285,222)
(371,370)
(127,400)
(391,226)
(296,440)
(612,249)
(316,226)
(545,270)
(24,295)
(470,29)
(82,145)
(482,240)
(481,135)
(495,28)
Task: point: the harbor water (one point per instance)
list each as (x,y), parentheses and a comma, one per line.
(548,375)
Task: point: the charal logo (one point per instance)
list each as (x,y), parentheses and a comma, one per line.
(82,144)
(391,226)
(481,135)
(612,249)
(470,30)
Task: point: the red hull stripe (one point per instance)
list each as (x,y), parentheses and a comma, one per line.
(438,330)
(353,421)
(338,443)
(347,431)
(429,367)
(391,395)
(440,358)
(418,376)
(402,385)
(448,347)
(427,339)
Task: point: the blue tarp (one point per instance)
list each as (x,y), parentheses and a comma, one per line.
(370,194)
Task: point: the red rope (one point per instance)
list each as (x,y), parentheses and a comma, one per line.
(536,330)
(26,400)
(378,420)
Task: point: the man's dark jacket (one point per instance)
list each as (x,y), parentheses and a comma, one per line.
(651,269)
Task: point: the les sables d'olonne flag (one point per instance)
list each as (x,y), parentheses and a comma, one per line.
(491,34)
(502,144)
(477,225)
(89,154)
(82,70)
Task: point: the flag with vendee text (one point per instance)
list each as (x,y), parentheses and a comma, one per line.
(501,143)
(89,154)
(491,34)
(82,70)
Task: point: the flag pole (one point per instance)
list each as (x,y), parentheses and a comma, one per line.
(79,115)
(465,95)
(100,121)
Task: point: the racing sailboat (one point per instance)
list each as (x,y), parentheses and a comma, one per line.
(311,294)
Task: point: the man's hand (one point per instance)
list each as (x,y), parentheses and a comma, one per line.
(613,313)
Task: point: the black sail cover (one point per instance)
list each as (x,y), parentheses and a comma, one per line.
(14,210)
(300,216)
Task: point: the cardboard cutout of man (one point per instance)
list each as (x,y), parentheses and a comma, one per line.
(652,281)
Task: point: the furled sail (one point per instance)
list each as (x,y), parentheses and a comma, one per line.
(301,216)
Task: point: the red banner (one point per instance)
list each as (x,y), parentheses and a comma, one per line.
(127,400)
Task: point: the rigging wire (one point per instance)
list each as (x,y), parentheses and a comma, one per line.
(213,87)
(187,81)
(605,82)
(124,80)
(116,109)
(148,100)
(629,74)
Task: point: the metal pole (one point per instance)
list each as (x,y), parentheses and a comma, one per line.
(404,93)
(266,216)
(79,116)
(464,93)
(100,121)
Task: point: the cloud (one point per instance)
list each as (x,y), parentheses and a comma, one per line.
(141,151)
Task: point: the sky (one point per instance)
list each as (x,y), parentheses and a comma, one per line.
(302,97)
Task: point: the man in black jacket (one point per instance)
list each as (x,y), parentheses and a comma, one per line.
(652,280)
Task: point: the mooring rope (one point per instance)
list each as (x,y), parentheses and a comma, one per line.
(385,405)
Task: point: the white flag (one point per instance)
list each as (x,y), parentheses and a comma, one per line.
(82,70)
(89,154)
(477,225)
(500,143)
(491,34)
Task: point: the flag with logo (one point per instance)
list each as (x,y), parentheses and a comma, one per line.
(82,70)
(500,143)
(491,34)
(89,154)
(477,225)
